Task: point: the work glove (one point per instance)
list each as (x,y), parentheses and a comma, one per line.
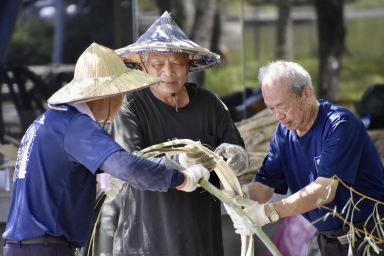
(199,157)
(192,175)
(237,157)
(252,208)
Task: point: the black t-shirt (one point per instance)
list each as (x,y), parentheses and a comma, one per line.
(174,223)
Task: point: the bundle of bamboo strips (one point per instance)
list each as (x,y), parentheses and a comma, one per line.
(256,132)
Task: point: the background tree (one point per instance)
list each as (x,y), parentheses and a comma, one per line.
(284,29)
(331,36)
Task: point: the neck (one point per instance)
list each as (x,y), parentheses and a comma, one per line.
(312,115)
(175,99)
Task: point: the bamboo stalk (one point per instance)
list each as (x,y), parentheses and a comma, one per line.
(256,229)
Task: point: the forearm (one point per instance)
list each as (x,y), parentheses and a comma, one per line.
(141,173)
(307,198)
(260,192)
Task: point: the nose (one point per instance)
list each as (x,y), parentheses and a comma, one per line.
(278,115)
(167,69)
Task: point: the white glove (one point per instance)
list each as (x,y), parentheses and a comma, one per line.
(237,157)
(188,159)
(192,176)
(254,210)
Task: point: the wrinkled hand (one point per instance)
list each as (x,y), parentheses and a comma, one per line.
(188,159)
(192,176)
(252,208)
(237,157)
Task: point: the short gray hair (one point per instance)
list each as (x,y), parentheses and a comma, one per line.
(292,73)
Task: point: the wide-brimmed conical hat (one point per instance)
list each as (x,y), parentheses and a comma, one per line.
(165,36)
(100,73)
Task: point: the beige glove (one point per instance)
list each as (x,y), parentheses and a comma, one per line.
(192,176)
(188,159)
(237,157)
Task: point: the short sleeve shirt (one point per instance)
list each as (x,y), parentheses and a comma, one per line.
(337,144)
(193,220)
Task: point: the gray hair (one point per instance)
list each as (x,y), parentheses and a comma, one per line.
(287,72)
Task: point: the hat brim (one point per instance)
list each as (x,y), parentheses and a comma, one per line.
(199,58)
(98,88)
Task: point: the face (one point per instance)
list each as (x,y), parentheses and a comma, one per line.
(291,110)
(106,109)
(171,68)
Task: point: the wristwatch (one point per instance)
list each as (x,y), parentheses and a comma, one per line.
(271,213)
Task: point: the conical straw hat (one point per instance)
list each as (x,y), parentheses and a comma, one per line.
(100,73)
(165,36)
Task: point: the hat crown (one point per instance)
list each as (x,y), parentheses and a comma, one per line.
(98,61)
(164,30)
(165,36)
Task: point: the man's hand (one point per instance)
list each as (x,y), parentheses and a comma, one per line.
(237,157)
(188,159)
(192,175)
(252,208)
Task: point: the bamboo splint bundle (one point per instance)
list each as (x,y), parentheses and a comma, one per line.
(228,180)
(256,132)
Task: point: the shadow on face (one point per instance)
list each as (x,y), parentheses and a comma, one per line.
(106,109)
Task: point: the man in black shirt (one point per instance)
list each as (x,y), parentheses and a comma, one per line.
(172,223)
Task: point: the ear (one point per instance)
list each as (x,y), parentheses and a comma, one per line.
(307,92)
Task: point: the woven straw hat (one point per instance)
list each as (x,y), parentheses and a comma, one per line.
(165,36)
(100,73)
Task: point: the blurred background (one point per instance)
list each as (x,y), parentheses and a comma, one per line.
(340,42)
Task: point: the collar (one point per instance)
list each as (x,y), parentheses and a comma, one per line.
(83,108)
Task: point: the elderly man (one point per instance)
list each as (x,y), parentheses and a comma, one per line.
(55,183)
(316,147)
(172,224)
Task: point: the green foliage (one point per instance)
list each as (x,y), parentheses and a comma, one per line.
(147,5)
(358,4)
(360,72)
(31,42)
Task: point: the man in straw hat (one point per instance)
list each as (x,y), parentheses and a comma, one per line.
(172,224)
(54,192)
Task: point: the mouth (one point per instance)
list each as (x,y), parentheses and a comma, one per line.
(167,82)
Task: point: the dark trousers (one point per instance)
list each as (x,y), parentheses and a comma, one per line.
(335,243)
(38,250)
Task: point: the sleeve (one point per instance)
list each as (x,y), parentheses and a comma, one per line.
(125,128)
(342,149)
(141,173)
(271,172)
(227,128)
(87,143)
